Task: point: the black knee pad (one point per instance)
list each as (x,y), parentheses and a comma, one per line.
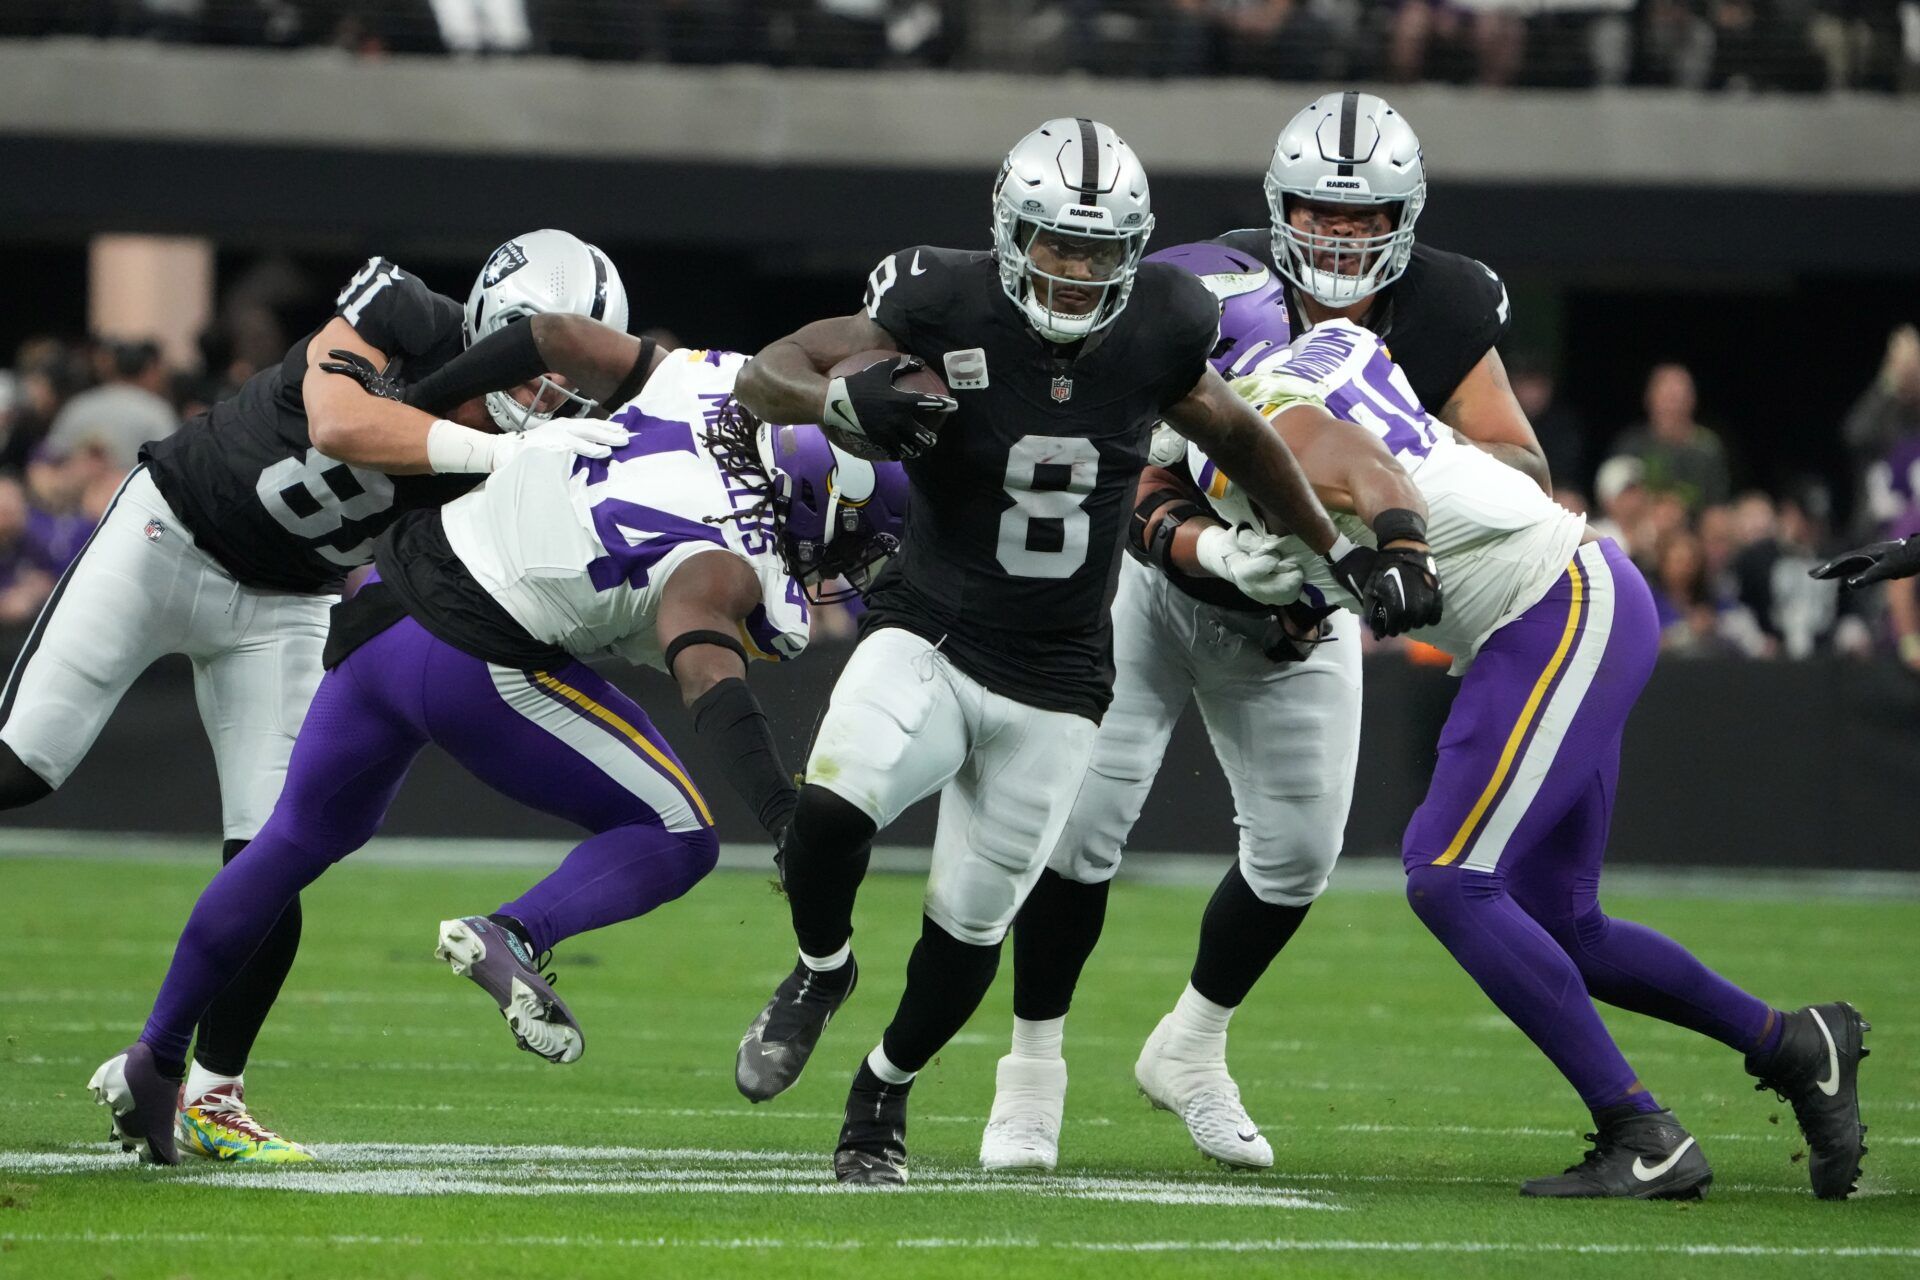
(825,821)
(19,785)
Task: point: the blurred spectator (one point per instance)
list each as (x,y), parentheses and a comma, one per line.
(1676,45)
(25,578)
(1803,616)
(1619,490)
(483,26)
(1882,431)
(1274,39)
(111,421)
(1679,455)
(1559,429)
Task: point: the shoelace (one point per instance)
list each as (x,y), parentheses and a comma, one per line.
(528,960)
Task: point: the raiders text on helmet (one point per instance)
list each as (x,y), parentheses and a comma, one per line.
(541,272)
(1346,148)
(1077,178)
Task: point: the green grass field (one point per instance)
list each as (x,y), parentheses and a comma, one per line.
(1402,1109)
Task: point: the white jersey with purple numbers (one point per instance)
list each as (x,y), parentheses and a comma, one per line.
(1500,543)
(579,550)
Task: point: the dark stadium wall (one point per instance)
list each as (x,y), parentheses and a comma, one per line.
(1727,763)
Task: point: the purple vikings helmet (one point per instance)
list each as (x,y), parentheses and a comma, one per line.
(834,515)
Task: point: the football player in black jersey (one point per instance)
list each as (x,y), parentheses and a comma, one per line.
(1344,189)
(986,661)
(230,542)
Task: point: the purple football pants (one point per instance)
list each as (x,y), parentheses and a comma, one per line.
(1504,855)
(564,742)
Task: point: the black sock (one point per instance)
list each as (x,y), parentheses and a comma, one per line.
(946,980)
(232,1022)
(825,858)
(1053,935)
(19,785)
(515,928)
(1239,937)
(865,1079)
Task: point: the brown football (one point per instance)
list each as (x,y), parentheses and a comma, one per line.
(924,380)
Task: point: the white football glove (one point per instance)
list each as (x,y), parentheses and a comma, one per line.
(1166,446)
(1252,562)
(454,448)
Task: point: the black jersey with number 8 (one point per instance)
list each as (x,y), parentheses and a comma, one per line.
(254,492)
(1014,528)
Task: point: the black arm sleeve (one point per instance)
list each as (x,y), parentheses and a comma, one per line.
(728,718)
(502,360)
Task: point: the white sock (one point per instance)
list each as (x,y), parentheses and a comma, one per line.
(878,1064)
(200,1080)
(1039,1039)
(826,964)
(1197,1015)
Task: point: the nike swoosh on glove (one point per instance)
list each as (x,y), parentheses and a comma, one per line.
(1403,592)
(893,419)
(1251,562)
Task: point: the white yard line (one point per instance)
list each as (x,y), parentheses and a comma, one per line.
(987,1244)
(1519,1131)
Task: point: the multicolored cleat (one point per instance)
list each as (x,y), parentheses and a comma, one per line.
(500,964)
(218,1126)
(142,1101)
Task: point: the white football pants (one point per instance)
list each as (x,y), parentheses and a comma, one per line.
(1287,737)
(904,723)
(140,588)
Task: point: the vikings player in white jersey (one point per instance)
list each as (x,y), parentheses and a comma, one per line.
(689,547)
(1554,633)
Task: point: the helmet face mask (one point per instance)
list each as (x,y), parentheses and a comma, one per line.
(544,271)
(1346,149)
(830,514)
(1070,192)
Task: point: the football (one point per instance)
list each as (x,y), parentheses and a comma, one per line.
(925,380)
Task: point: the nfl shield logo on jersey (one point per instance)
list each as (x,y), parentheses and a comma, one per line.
(1062,389)
(154,530)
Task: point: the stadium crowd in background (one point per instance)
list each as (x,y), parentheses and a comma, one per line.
(1727,562)
(1790,45)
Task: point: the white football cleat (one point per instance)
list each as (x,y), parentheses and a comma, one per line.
(1179,1073)
(1023,1130)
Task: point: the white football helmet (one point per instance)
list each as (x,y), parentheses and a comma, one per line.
(1078,178)
(1346,148)
(542,271)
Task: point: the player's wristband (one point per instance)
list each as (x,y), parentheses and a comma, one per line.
(1397,524)
(456,450)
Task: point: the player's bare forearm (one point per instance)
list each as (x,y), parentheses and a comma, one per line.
(1351,470)
(1165,491)
(1484,412)
(1240,443)
(712,593)
(349,425)
(787,381)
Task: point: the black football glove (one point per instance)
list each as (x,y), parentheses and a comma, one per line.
(1876,563)
(1404,592)
(1295,630)
(867,404)
(351,364)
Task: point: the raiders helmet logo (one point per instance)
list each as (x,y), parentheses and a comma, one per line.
(506,260)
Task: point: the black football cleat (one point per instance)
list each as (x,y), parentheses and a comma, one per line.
(873,1141)
(776,1047)
(1816,1069)
(1641,1156)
